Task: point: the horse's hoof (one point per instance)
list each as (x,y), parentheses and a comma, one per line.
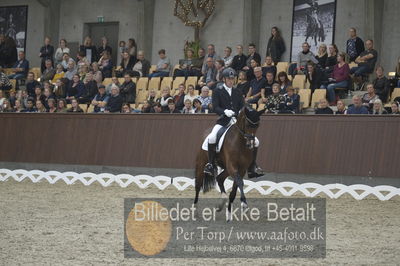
(244,206)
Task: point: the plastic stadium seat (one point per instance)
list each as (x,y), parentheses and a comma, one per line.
(107,81)
(121,80)
(261,106)
(395,94)
(177,82)
(305,95)
(134,80)
(36,71)
(299,82)
(351,65)
(282,67)
(90,109)
(13,84)
(84,107)
(153,68)
(166,82)
(154,83)
(191,81)
(141,96)
(142,83)
(317,96)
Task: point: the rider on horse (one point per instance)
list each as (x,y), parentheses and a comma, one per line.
(227,101)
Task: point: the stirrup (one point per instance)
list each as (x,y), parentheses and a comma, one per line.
(255,172)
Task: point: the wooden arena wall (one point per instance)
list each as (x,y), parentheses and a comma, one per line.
(322,145)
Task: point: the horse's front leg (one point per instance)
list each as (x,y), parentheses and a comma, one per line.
(232,197)
(224,197)
(238,179)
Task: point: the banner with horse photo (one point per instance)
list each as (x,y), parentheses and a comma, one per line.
(313,22)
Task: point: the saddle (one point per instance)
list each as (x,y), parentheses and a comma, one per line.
(220,138)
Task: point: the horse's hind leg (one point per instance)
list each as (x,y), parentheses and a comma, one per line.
(221,179)
(238,179)
(232,197)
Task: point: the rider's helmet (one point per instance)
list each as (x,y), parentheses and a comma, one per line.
(229,73)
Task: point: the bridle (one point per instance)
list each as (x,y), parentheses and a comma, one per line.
(250,138)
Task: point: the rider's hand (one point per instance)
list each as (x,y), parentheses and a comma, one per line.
(229,113)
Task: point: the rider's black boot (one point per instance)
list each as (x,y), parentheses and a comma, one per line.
(210,168)
(254,170)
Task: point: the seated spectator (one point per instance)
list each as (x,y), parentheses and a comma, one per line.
(97,75)
(114,81)
(163,66)
(77,89)
(322,56)
(197,107)
(357,108)
(188,108)
(29,106)
(256,86)
(323,108)
(13,97)
(23,97)
(127,63)
(132,47)
(303,58)
(165,96)
(252,55)
(59,73)
(60,89)
(114,104)
(62,106)
(381,84)
(152,99)
(89,51)
(157,109)
(5,84)
(61,51)
(126,109)
(315,77)
(250,71)
(52,104)
(128,89)
(2,98)
(82,60)
(18,107)
(339,78)
(49,72)
(75,107)
(142,66)
(106,65)
(243,84)
(210,74)
(331,61)
(6,107)
(146,108)
(31,84)
(91,88)
(211,54)
(100,100)
(370,97)
(275,102)
(20,68)
(291,102)
(187,66)
(366,62)
(205,99)
(268,85)
(39,95)
(219,66)
(82,71)
(269,67)
(378,109)
(179,98)
(66,59)
(71,70)
(228,57)
(395,108)
(284,82)
(172,108)
(239,60)
(104,47)
(191,95)
(40,108)
(341,108)
(48,95)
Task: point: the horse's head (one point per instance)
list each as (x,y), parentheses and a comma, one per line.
(248,123)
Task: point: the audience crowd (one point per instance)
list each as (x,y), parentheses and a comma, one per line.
(67,81)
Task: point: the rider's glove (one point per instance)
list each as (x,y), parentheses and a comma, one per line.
(229,113)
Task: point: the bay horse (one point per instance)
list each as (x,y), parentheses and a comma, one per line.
(234,158)
(314,31)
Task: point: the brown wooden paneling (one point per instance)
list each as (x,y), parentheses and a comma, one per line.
(346,145)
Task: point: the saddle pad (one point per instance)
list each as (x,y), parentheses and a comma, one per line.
(220,142)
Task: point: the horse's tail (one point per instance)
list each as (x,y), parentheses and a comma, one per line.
(209,183)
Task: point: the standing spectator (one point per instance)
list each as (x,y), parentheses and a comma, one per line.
(252,55)
(163,66)
(49,72)
(381,84)
(100,100)
(323,108)
(46,53)
(276,45)
(75,107)
(239,60)
(322,56)
(128,90)
(269,67)
(61,50)
(114,104)
(5,84)
(132,47)
(106,65)
(121,49)
(20,68)
(257,85)
(228,57)
(179,98)
(89,51)
(341,108)
(354,46)
(340,77)
(378,109)
(142,66)
(205,99)
(357,108)
(104,47)
(31,84)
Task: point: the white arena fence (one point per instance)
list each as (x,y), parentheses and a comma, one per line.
(287,189)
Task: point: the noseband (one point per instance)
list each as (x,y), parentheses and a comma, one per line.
(250,138)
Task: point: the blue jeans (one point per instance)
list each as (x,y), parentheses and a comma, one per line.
(159,74)
(360,70)
(16,76)
(398,84)
(331,89)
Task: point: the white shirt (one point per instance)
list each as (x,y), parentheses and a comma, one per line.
(229,90)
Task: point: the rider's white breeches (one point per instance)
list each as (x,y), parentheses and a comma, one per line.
(212,138)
